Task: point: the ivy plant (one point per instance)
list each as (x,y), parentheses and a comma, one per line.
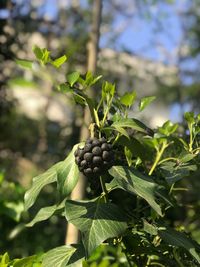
(125,219)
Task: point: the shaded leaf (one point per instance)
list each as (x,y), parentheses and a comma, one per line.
(179,239)
(133,124)
(132,181)
(97,221)
(39,182)
(145,101)
(45,213)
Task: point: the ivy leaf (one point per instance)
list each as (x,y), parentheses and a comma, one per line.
(39,182)
(27,64)
(73,77)
(63,256)
(64,172)
(45,213)
(67,173)
(134,182)
(145,101)
(133,124)
(59,61)
(179,239)
(97,221)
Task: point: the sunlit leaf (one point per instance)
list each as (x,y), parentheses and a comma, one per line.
(73,77)
(59,61)
(145,101)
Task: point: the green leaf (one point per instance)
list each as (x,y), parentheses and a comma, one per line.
(25,262)
(134,182)
(108,89)
(97,221)
(38,52)
(90,79)
(64,88)
(67,174)
(27,64)
(73,77)
(42,54)
(39,182)
(21,82)
(5,258)
(149,228)
(179,239)
(133,124)
(128,99)
(45,213)
(59,61)
(64,172)
(63,256)
(168,128)
(145,101)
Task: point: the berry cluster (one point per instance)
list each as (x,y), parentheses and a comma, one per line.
(95,157)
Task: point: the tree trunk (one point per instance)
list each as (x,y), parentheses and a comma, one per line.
(79,191)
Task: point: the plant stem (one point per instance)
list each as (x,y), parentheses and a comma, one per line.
(104,190)
(158,156)
(167,159)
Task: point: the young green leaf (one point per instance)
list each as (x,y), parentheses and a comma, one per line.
(128,99)
(189,117)
(73,77)
(97,221)
(145,101)
(59,61)
(38,52)
(108,89)
(134,182)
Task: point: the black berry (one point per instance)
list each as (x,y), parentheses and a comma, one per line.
(95,157)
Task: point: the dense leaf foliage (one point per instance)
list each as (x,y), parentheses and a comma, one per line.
(130,212)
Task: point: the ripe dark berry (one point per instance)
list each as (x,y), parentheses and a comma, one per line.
(96,142)
(105,146)
(88,156)
(83,163)
(88,172)
(97,161)
(106,155)
(95,157)
(88,148)
(96,151)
